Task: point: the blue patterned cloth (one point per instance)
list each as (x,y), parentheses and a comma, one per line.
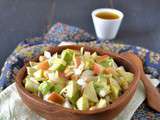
(29,48)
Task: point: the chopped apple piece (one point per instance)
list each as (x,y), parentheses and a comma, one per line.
(73,91)
(102,103)
(82,103)
(97,69)
(90,93)
(115,89)
(38,74)
(67,104)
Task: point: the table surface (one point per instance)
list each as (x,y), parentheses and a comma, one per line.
(21,19)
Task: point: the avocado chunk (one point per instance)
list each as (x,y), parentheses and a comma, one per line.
(67,55)
(108,62)
(102,103)
(82,103)
(58,86)
(45,87)
(115,91)
(58,64)
(101,87)
(73,91)
(90,93)
(102,77)
(31,85)
(88,60)
(115,88)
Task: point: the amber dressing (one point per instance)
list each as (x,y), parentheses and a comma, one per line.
(107,15)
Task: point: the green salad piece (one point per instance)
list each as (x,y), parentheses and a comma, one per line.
(59,85)
(67,55)
(75,79)
(108,62)
(102,103)
(45,87)
(58,64)
(102,77)
(82,103)
(73,91)
(31,84)
(101,87)
(90,92)
(88,60)
(115,88)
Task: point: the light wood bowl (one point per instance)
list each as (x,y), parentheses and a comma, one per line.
(53,111)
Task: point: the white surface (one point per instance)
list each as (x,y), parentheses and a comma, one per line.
(106,29)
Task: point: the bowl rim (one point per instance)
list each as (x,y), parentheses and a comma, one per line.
(50,106)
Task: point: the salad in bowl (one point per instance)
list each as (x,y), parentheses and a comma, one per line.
(77,79)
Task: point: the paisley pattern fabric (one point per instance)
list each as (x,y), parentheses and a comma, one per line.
(29,48)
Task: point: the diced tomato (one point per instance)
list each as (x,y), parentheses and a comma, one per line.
(77,61)
(101,58)
(44,65)
(97,69)
(55,97)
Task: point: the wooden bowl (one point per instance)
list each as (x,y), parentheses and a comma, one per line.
(55,111)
